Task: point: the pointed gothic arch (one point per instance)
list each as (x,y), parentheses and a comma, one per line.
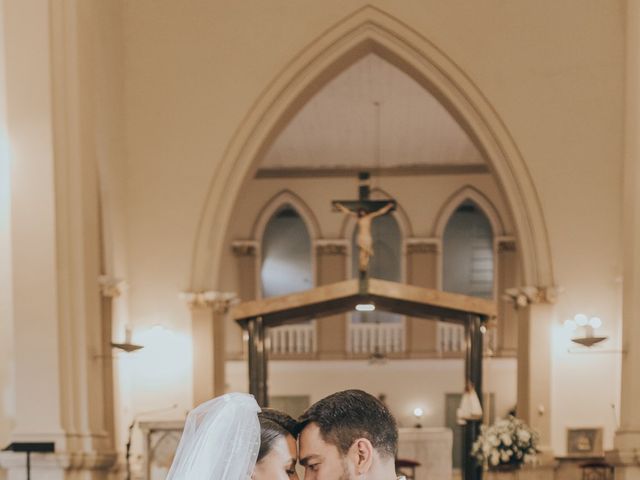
(464,194)
(278,201)
(368,30)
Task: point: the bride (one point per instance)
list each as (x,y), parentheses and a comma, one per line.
(230,438)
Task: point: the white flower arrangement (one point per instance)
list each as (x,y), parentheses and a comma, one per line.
(508,442)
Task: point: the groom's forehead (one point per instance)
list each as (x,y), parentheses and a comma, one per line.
(312,448)
(311,440)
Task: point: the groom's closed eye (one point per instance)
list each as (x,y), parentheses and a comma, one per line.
(310,460)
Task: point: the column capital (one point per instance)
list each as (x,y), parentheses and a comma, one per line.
(522,297)
(333,246)
(219,302)
(422,245)
(245,248)
(111,287)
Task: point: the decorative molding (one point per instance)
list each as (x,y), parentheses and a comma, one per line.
(422,245)
(111,287)
(506,246)
(244,248)
(219,302)
(331,247)
(408,170)
(522,297)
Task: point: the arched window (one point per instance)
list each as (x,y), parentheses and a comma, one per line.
(286,254)
(468,253)
(385,263)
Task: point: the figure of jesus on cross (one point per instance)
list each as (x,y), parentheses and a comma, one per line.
(364,211)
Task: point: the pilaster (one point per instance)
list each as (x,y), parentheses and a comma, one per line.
(209,313)
(533,309)
(626,453)
(422,260)
(506,277)
(331,266)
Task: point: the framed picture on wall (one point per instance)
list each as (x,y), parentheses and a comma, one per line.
(584,442)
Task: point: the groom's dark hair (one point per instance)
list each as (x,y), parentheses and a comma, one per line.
(346,416)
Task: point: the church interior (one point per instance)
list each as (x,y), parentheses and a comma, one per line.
(170,174)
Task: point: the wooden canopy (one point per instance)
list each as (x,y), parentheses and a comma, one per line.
(344,296)
(257,315)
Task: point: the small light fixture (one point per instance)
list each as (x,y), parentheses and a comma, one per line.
(418,413)
(588,327)
(127,346)
(365,307)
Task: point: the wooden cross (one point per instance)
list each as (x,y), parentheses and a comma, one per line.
(364,210)
(364,202)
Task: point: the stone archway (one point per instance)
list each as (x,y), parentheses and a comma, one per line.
(365,31)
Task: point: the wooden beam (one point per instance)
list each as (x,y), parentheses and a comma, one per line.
(343,296)
(432,298)
(309,301)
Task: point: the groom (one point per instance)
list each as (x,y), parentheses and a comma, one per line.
(347,436)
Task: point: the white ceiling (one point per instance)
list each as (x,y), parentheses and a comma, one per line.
(337,127)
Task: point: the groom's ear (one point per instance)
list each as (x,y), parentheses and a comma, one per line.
(363,455)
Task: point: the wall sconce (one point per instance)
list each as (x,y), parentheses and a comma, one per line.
(128,346)
(586,328)
(418,413)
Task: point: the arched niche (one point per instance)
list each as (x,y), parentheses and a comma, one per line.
(283,199)
(468,193)
(286,254)
(468,257)
(370,30)
(277,202)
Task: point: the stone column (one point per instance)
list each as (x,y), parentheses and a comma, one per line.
(58,333)
(423,271)
(248,283)
(533,310)
(331,267)
(626,454)
(506,277)
(110,290)
(246,253)
(209,313)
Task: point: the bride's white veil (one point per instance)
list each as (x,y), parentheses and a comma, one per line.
(221,440)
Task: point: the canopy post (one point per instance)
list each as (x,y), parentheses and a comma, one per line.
(473,373)
(257,360)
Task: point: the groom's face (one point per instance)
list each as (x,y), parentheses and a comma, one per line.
(322,460)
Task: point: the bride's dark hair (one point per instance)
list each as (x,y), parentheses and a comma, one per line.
(273,425)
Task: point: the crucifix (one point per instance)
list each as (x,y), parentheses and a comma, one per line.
(364,210)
